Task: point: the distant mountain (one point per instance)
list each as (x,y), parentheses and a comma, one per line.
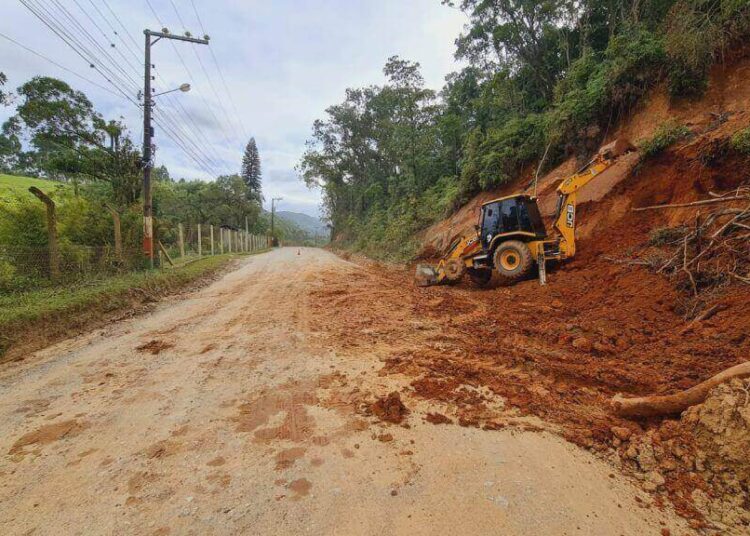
(310,225)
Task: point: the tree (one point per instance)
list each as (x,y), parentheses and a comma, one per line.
(10,145)
(70,140)
(251,172)
(5,97)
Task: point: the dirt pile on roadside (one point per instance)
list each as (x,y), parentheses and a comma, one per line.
(721,428)
(700,461)
(390,408)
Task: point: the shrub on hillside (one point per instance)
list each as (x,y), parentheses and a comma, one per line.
(666,135)
(698,32)
(741,141)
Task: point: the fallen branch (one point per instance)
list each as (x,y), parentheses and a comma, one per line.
(629,262)
(705,315)
(693,204)
(655,406)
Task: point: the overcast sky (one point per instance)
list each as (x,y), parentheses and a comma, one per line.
(284,62)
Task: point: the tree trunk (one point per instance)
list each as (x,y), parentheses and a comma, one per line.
(654,406)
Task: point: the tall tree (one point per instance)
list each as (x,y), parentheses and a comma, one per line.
(251,172)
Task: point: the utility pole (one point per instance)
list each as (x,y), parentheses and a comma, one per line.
(148,132)
(273,212)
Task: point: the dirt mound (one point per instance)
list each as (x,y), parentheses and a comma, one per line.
(48,434)
(390,408)
(721,430)
(154,347)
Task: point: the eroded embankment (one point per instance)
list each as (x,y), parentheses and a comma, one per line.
(561,352)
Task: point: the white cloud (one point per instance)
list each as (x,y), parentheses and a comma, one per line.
(284,61)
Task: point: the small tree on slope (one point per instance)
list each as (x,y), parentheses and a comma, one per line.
(251,173)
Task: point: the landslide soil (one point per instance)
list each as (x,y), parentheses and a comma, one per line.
(561,352)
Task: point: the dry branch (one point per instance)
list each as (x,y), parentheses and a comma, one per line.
(693,204)
(655,406)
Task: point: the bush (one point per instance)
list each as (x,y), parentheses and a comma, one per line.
(600,87)
(699,31)
(7,275)
(741,141)
(667,134)
(663,236)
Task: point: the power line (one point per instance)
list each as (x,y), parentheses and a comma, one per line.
(205,73)
(34,10)
(221,74)
(82,50)
(53,62)
(190,74)
(180,113)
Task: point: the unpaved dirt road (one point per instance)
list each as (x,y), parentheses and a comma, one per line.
(227,412)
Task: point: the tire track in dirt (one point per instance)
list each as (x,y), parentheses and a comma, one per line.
(252,416)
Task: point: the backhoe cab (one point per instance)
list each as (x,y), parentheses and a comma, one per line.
(511,238)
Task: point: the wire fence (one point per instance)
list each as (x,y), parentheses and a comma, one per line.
(61,262)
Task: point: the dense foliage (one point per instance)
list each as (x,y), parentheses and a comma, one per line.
(549,77)
(56,133)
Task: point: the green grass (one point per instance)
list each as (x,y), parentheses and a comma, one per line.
(12,186)
(666,135)
(43,316)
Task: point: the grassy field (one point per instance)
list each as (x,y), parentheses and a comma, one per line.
(41,317)
(11,185)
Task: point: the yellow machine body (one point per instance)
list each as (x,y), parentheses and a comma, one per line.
(511,253)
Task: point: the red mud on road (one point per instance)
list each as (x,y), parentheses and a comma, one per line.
(561,352)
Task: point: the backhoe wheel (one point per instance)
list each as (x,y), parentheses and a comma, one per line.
(454,270)
(482,277)
(513,261)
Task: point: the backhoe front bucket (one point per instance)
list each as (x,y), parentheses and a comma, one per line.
(426,276)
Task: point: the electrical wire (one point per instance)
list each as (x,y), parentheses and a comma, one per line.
(62,67)
(221,74)
(178,109)
(113,77)
(190,74)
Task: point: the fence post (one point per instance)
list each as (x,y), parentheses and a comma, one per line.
(54,255)
(212,240)
(118,231)
(221,240)
(181,241)
(200,245)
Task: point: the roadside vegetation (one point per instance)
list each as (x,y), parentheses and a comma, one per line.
(39,317)
(91,169)
(541,78)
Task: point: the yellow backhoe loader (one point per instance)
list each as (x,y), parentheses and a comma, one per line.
(511,238)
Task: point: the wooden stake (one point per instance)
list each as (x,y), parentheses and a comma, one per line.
(181,239)
(200,245)
(164,250)
(54,254)
(118,232)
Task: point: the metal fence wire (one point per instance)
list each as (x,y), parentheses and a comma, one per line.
(27,267)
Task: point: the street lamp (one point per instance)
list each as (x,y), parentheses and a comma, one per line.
(150,39)
(184,88)
(273,210)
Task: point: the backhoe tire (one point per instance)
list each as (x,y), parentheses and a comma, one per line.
(483,278)
(454,270)
(512,261)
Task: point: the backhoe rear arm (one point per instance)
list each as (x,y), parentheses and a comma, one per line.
(565,221)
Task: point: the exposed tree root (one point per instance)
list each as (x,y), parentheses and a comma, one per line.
(654,406)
